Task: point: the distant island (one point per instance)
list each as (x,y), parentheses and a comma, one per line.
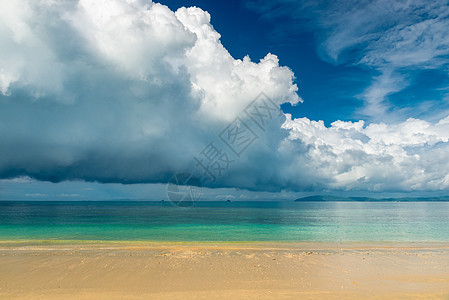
(368,199)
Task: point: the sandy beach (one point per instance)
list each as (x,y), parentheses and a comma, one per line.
(219,271)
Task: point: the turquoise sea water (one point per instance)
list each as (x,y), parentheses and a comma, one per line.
(224,221)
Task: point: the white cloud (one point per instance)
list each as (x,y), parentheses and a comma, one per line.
(227,85)
(396,39)
(118,91)
(385,33)
(129,91)
(68,195)
(391,37)
(408,156)
(376,95)
(134,35)
(36,195)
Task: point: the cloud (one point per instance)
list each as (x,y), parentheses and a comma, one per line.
(118,91)
(35,195)
(376,95)
(393,38)
(408,156)
(130,92)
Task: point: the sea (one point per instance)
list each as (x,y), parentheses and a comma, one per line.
(263,221)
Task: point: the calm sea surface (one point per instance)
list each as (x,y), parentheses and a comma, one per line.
(224,221)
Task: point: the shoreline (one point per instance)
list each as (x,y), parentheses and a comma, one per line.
(302,245)
(211,270)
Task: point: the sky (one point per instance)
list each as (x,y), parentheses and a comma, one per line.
(110,99)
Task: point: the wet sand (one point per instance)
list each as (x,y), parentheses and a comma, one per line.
(223,271)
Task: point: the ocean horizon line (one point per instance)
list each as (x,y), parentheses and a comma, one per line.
(314,198)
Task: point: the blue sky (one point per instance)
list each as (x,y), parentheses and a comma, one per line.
(333,87)
(116,96)
(322,84)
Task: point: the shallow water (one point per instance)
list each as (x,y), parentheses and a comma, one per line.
(226,221)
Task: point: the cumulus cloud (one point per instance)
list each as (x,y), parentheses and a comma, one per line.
(128,91)
(118,91)
(408,156)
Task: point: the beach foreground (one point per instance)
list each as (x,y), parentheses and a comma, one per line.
(218,271)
